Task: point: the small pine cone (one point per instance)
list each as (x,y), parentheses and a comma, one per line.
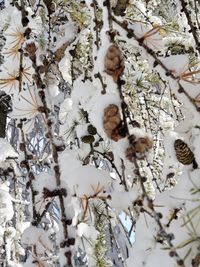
(184,153)
(196,261)
(143,144)
(31,49)
(114,64)
(112,122)
(138,147)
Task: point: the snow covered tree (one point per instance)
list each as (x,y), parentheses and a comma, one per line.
(99,137)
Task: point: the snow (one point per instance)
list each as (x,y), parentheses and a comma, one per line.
(44,180)
(87,231)
(122,201)
(33,235)
(27,104)
(176,63)
(152,36)
(68,163)
(6,207)
(86,181)
(82,92)
(64,67)
(7,151)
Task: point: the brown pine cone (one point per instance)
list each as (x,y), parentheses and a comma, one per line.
(138,147)
(112,122)
(184,154)
(31,49)
(114,64)
(143,144)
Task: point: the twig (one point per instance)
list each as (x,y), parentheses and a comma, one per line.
(191,24)
(97,23)
(169,73)
(156,217)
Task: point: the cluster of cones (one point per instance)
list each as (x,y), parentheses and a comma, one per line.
(115,130)
(112,122)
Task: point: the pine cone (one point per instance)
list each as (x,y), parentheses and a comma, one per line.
(184,153)
(31,49)
(196,261)
(112,123)
(114,64)
(138,147)
(143,144)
